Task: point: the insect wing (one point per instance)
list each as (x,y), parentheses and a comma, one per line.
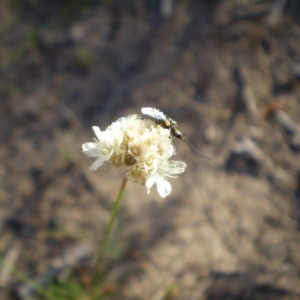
(153,114)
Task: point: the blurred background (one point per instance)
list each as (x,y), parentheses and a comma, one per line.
(227,71)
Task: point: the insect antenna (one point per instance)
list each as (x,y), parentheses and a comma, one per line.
(197,151)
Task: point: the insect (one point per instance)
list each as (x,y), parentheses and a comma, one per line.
(166,122)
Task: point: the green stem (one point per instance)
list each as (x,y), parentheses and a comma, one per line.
(100,264)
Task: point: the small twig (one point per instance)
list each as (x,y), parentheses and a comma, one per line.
(275,110)
(290,127)
(246,149)
(247,157)
(276,12)
(287,123)
(166,8)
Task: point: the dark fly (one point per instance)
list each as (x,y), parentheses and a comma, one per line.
(166,122)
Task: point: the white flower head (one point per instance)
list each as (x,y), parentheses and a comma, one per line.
(139,146)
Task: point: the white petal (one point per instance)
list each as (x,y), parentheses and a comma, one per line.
(149,183)
(90,149)
(174,167)
(164,187)
(97,163)
(97,132)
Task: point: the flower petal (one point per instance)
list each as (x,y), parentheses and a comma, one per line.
(149,183)
(173,167)
(97,163)
(164,187)
(97,132)
(90,149)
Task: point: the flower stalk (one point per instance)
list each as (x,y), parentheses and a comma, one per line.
(99,265)
(143,148)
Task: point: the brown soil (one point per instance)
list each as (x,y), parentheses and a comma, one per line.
(224,71)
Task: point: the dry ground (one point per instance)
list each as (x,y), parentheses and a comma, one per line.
(224,71)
